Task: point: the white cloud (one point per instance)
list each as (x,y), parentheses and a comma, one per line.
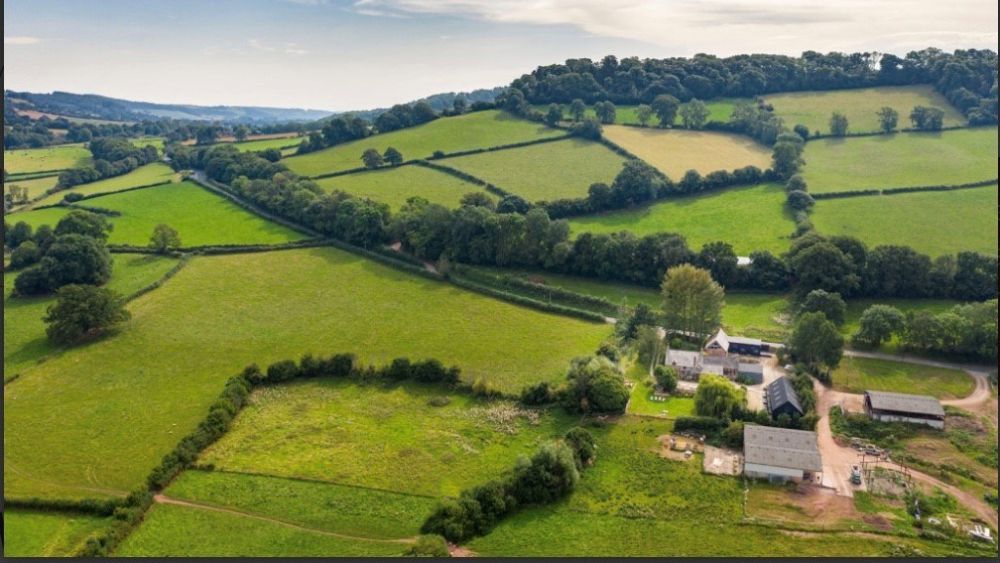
(256,44)
(20,40)
(293,49)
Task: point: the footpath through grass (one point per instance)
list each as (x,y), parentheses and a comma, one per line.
(933,223)
(59,157)
(481,129)
(133,397)
(550,171)
(24,340)
(153,173)
(749,218)
(675,151)
(901,160)
(199,216)
(813,109)
(394,186)
(857,375)
(29,533)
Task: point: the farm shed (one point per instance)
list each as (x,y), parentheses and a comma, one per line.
(723,344)
(780,454)
(752,372)
(900,407)
(780,398)
(721,365)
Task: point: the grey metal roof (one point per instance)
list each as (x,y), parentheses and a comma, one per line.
(781,447)
(779,392)
(683,358)
(743,340)
(749,367)
(903,403)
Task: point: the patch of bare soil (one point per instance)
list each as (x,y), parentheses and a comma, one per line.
(877,521)
(459,551)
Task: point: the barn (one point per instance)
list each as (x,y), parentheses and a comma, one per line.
(723,344)
(780,454)
(900,407)
(780,398)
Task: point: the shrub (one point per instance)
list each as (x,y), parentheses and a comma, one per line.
(705,424)
(484,389)
(666,378)
(284,370)
(583,445)
(538,394)
(428,545)
(26,254)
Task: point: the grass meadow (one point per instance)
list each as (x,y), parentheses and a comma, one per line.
(901,160)
(264,144)
(749,218)
(133,397)
(675,151)
(182,531)
(59,157)
(36,186)
(813,109)
(199,216)
(394,186)
(24,340)
(857,375)
(563,169)
(475,130)
(371,436)
(933,223)
(144,175)
(29,533)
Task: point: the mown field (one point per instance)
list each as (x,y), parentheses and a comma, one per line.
(720,109)
(475,130)
(60,157)
(326,431)
(675,151)
(132,397)
(199,216)
(901,160)
(857,375)
(24,341)
(28,533)
(813,109)
(144,175)
(550,171)
(749,218)
(396,185)
(36,186)
(934,223)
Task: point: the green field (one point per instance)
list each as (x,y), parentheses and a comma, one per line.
(24,340)
(394,186)
(200,216)
(675,151)
(36,186)
(720,109)
(60,157)
(550,171)
(749,218)
(264,144)
(813,109)
(857,375)
(933,223)
(28,533)
(901,160)
(157,142)
(181,531)
(481,129)
(144,175)
(132,397)
(370,436)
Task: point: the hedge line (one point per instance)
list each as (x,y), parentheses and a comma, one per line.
(142,187)
(496,190)
(537,291)
(224,192)
(223,248)
(816,135)
(527,301)
(903,190)
(155,285)
(100,507)
(34,175)
(500,147)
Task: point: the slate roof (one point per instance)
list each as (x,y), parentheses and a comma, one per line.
(683,358)
(724,340)
(781,447)
(749,367)
(779,392)
(903,403)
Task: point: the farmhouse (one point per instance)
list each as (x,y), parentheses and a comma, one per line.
(780,398)
(900,407)
(780,454)
(687,364)
(722,344)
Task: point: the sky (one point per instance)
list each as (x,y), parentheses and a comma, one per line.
(357,54)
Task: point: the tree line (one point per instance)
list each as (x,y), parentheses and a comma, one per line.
(112,156)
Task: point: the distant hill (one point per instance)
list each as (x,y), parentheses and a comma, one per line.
(437,102)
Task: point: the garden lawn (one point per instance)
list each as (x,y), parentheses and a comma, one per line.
(394,186)
(857,375)
(181,531)
(675,151)
(354,511)
(749,218)
(481,129)
(932,223)
(549,171)
(59,157)
(29,533)
(143,176)
(371,436)
(813,109)
(134,396)
(641,400)
(24,340)
(36,186)
(199,216)
(901,160)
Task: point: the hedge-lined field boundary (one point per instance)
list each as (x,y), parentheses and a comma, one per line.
(34,175)
(813,136)
(99,507)
(183,261)
(462,175)
(518,299)
(515,284)
(903,190)
(224,192)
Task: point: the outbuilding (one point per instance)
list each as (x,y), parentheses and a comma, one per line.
(780,398)
(780,454)
(723,344)
(751,372)
(885,406)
